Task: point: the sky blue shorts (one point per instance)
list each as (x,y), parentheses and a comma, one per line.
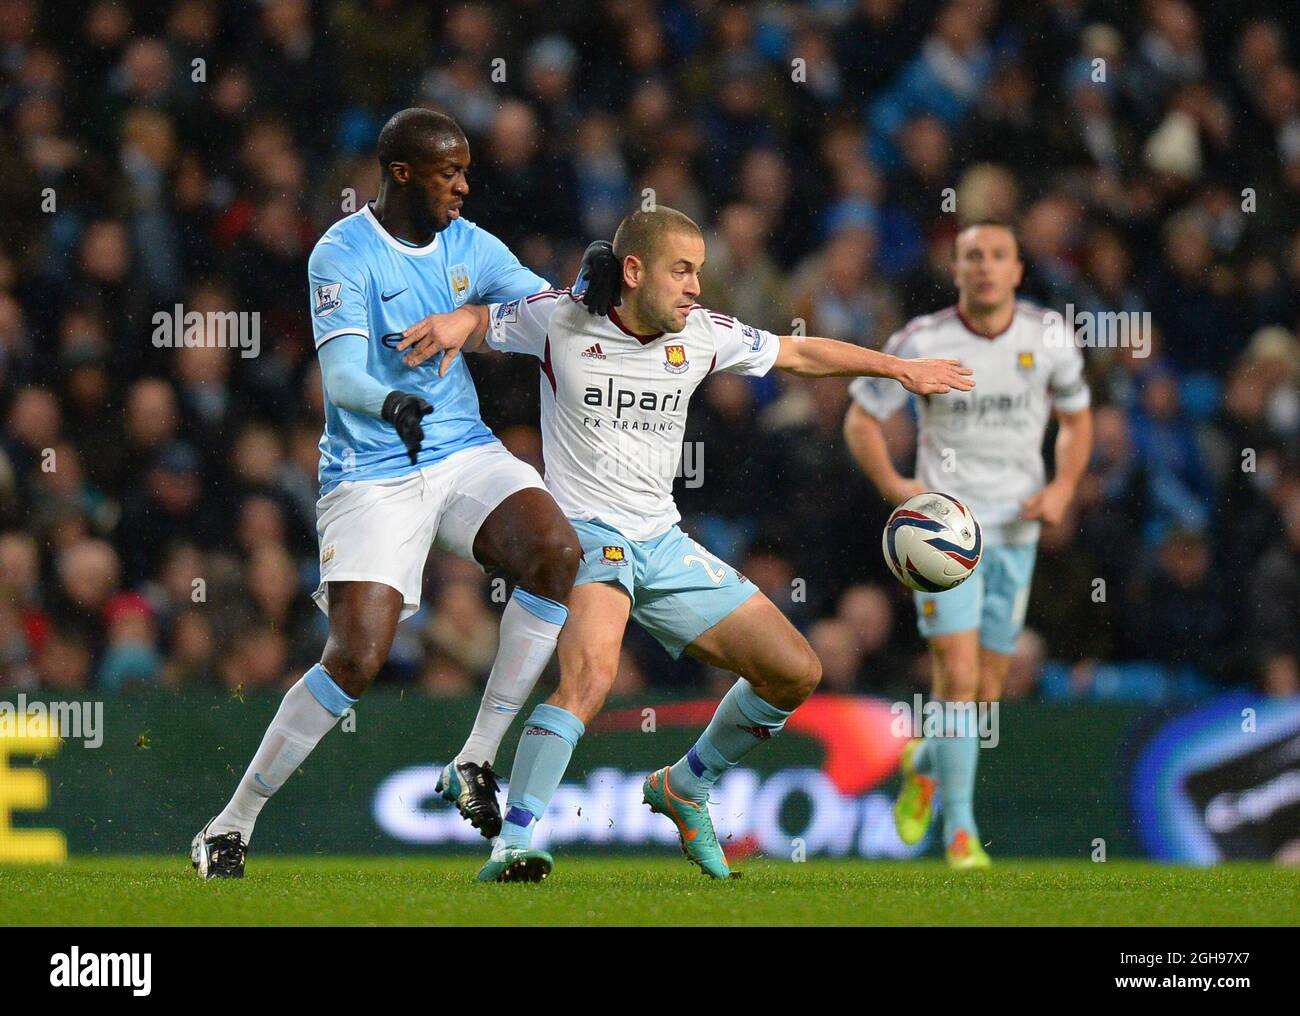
(678,589)
(993,600)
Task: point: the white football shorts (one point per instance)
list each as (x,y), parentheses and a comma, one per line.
(381,530)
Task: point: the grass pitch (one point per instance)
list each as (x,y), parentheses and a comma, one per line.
(644,891)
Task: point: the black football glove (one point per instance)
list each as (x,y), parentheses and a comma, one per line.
(404,411)
(604,275)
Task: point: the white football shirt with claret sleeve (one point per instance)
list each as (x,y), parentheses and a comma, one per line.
(614,403)
(985,446)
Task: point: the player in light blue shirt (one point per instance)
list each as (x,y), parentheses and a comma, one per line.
(407,463)
(367,287)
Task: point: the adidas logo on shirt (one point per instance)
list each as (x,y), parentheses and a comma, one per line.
(594,352)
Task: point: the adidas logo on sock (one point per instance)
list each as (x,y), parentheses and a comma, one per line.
(594,353)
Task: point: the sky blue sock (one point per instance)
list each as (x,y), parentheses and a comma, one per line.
(741,722)
(923,757)
(956,757)
(545,747)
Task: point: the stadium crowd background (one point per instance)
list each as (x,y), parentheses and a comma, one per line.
(1172,186)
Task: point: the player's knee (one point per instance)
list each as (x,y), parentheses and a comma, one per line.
(961,679)
(810,673)
(790,683)
(801,678)
(553,564)
(353,668)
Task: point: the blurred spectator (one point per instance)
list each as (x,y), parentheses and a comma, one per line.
(1274,606)
(192,650)
(257,659)
(1169,450)
(1190,300)
(89,574)
(837,647)
(170,506)
(132,643)
(836,296)
(742,279)
(943,80)
(463,629)
(530,185)
(64,660)
(444,677)
(1076,620)
(886,667)
(1178,614)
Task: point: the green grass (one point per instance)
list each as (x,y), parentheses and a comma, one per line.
(645,891)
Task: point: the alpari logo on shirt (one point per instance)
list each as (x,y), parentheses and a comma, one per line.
(625,398)
(614,555)
(459,276)
(328,299)
(986,405)
(594,353)
(675,361)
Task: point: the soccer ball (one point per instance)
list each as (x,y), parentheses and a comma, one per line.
(932,542)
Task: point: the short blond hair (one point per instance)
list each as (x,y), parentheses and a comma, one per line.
(642,232)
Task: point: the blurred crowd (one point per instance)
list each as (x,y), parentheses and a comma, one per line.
(157,505)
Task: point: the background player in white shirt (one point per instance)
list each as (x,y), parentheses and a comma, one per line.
(615,392)
(986,450)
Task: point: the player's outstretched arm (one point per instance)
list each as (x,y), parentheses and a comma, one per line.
(461,330)
(816,357)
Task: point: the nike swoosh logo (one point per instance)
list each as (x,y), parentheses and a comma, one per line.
(257,778)
(391,296)
(688,835)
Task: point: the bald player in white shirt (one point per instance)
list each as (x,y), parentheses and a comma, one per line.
(614,393)
(985,449)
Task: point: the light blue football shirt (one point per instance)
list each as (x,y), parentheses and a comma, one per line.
(364,281)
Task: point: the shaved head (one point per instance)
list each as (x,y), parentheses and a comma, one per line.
(417,135)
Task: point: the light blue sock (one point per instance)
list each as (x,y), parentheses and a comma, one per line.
(741,722)
(955,758)
(923,757)
(545,747)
